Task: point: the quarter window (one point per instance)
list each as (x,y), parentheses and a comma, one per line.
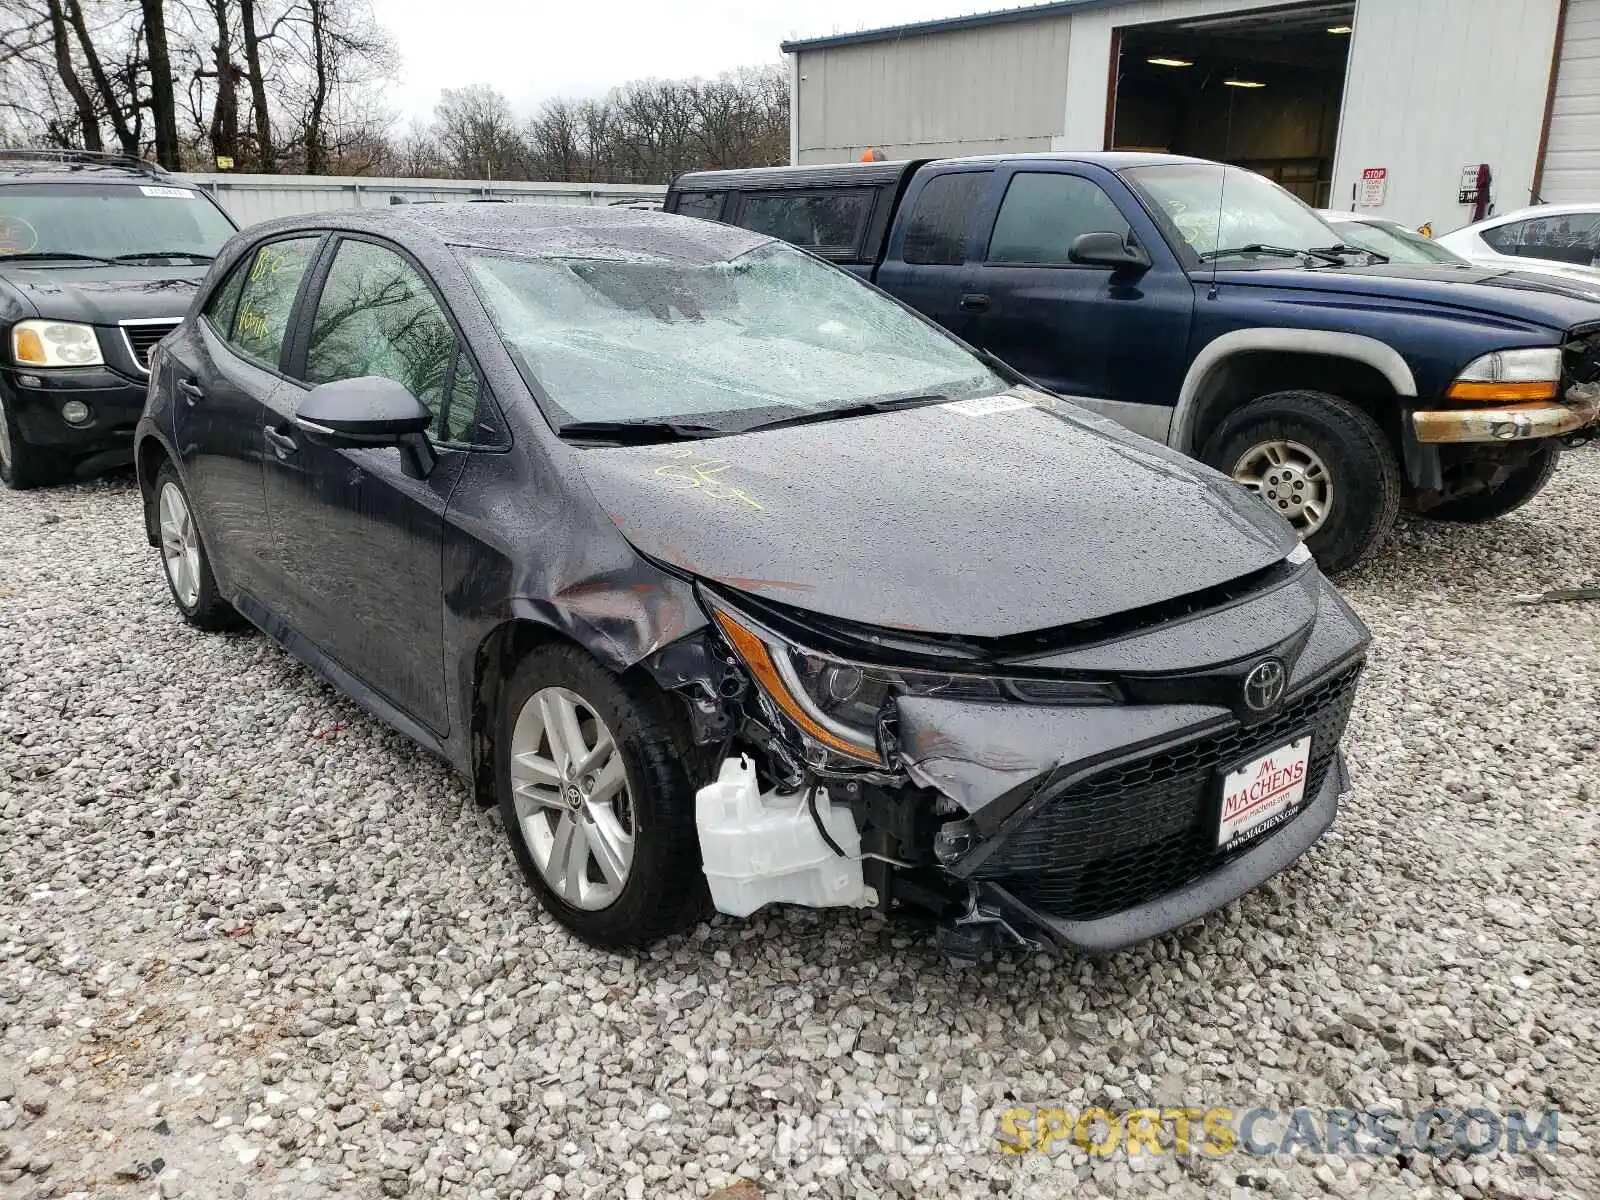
(937,231)
(1043,214)
(377,316)
(267,296)
(224,301)
(461,417)
(830,223)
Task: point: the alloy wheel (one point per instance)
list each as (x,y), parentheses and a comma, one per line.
(1292,478)
(572,798)
(180,545)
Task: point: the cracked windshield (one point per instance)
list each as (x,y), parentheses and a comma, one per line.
(768,333)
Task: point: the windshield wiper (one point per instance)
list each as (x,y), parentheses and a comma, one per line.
(1271,252)
(166,254)
(636,433)
(41,255)
(865,409)
(1343,248)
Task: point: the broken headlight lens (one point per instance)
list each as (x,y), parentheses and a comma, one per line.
(838,703)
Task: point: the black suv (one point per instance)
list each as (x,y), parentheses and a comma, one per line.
(99,256)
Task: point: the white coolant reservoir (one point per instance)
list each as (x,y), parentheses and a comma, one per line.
(765,849)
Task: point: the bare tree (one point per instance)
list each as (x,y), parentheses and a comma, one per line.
(266,155)
(163,106)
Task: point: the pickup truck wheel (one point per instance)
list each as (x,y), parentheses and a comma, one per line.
(1518,487)
(1320,462)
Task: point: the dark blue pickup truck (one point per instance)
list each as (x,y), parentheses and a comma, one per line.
(1206,307)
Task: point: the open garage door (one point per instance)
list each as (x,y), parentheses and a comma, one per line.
(1262,89)
(1572,146)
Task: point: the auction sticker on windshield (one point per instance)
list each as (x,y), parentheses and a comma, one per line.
(168,193)
(983,406)
(1263,792)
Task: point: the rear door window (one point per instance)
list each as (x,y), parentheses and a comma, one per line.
(936,232)
(1565,238)
(831,223)
(267,296)
(1042,214)
(705,205)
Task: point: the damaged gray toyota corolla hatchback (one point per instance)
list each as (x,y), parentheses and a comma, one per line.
(714,566)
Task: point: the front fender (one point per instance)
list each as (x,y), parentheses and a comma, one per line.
(1380,356)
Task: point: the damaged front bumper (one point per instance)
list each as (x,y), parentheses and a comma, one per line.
(1510,422)
(1166,911)
(1087,823)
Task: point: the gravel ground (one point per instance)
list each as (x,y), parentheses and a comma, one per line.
(253,944)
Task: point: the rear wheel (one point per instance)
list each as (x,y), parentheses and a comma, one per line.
(1320,462)
(24,466)
(596,800)
(1519,485)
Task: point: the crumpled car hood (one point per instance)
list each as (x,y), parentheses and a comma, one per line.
(983,518)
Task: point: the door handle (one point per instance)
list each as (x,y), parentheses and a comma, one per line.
(282,444)
(193,393)
(974,302)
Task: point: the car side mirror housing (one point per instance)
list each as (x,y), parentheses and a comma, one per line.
(369,411)
(1107,249)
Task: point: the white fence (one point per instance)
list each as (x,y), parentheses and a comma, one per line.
(252,198)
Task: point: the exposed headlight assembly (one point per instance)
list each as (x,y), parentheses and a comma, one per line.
(1532,373)
(837,704)
(54,344)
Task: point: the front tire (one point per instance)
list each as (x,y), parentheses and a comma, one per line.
(1519,486)
(1319,461)
(184,560)
(590,769)
(24,466)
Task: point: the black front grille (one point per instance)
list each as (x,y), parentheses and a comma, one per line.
(1142,828)
(142,339)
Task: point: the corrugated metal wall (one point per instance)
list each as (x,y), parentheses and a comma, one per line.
(1435,85)
(986,90)
(252,198)
(1572,153)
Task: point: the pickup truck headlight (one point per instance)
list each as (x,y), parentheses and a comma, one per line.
(54,344)
(1529,374)
(836,703)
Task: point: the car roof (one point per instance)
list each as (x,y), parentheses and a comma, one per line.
(1536,210)
(75,166)
(862,173)
(535,231)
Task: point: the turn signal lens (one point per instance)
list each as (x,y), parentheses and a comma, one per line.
(28,347)
(1510,375)
(1467,390)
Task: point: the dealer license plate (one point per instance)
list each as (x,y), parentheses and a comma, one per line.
(1263,793)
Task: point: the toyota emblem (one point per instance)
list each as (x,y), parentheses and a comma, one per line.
(1263,687)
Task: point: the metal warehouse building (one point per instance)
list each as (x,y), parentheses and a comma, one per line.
(1387,105)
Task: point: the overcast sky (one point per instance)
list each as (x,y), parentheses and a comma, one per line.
(531,50)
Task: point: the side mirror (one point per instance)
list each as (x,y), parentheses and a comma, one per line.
(369,411)
(1106,249)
